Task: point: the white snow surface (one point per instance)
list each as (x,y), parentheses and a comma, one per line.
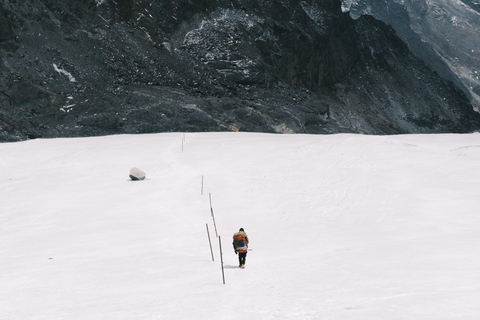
(340,227)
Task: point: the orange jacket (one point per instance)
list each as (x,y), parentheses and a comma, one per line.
(241,236)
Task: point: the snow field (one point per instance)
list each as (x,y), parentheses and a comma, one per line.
(341,227)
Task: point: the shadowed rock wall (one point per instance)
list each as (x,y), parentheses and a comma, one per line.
(99,67)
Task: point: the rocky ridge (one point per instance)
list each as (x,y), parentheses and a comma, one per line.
(443,33)
(138,66)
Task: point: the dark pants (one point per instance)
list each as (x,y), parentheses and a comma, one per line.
(242,256)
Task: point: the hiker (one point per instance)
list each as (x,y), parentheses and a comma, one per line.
(240,246)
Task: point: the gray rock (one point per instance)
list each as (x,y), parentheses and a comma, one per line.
(125,67)
(136,174)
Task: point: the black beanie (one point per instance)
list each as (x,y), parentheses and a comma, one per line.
(241,229)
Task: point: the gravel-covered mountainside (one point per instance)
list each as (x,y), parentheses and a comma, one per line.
(443,33)
(96,67)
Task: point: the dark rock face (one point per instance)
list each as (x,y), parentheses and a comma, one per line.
(83,68)
(443,33)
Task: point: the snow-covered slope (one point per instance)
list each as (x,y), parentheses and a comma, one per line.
(444,33)
(341,227)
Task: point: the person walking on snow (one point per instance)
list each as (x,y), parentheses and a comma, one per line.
(240,246)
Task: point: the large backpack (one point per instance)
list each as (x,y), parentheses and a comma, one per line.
(239,241)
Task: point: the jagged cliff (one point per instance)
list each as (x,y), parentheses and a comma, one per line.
(99,67)
(443,33)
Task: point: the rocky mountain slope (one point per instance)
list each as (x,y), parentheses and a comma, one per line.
(443,33)
(83,68)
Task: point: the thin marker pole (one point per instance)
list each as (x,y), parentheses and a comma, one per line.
(210,196)
(210,241)
(221,258)
(213,217)
(183,140)
(202,186)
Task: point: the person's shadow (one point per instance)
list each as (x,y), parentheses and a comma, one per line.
(228,266)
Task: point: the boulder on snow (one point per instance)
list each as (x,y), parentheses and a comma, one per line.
(136,174)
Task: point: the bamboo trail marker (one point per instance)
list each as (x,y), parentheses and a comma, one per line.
(183,140)
(210,242)
(211,209)
(221,258)
(213,217)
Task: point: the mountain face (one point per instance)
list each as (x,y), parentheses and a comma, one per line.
(83,68)
(443,33)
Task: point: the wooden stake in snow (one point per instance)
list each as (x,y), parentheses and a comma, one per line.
(221,258)
(210,241)
(202,187)
(213,217)
(183,141)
